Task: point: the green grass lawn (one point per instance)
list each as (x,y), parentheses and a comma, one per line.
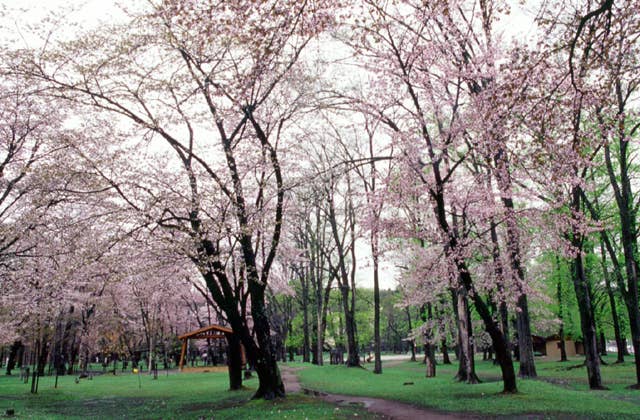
(560,391)
(177,396)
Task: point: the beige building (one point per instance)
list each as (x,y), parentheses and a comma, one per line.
(552,347)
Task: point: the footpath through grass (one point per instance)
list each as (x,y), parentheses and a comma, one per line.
(561,391)
(176,396)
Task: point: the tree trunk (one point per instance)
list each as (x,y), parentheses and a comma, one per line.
(376,308)
(464,275)
(563,348)
(499,273)
(322,322)
(445,352)
(353,358)
(234,357)
(305,318)
(430,358)
(587,320)
(412,343)
(151,342)
(612,305)
(523,323)
(270,382)
(13,355)
(466,366)
(525,342)
(603,344)
(314,344)
(627,211)
(43,354)
(503,356)
(429,347)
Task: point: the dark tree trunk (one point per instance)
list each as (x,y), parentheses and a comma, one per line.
(523,323)
(319,327)
(260,352)
(627,211)
(376,309)
(322,324)
(503,355)
(456,316)
(563,348)
(314,345)
(450,246)
(525,342)
(270,382)
(43,354)
(346,278)
(13,355)
(72,354)
(305,318)
(412,343)
(612,305)
(499,272)
(631,300)
(563,345)
(353,358)
(445,352)
(603,344)
(587,319)
(429,347)
(234,359)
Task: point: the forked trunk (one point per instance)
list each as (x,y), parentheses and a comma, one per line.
(270,382)
(503,356)
(353,358)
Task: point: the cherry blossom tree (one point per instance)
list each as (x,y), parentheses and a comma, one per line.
(412,40)
(217,95)
(603,53)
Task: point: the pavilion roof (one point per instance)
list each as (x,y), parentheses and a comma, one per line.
(204,332)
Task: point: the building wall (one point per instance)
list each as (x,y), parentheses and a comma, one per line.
(553,348)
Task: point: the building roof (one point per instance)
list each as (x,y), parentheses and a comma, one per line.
(556,337)
(206,332)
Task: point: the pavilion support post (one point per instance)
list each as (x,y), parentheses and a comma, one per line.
(182,353)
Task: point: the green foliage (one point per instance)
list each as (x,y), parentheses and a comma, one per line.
(559,272)
(296,336)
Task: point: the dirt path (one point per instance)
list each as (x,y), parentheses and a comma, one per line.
(290,379)
(391,409)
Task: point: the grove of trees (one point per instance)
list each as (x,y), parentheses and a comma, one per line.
(273,166)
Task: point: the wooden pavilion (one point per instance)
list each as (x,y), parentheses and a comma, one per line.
(210,332)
